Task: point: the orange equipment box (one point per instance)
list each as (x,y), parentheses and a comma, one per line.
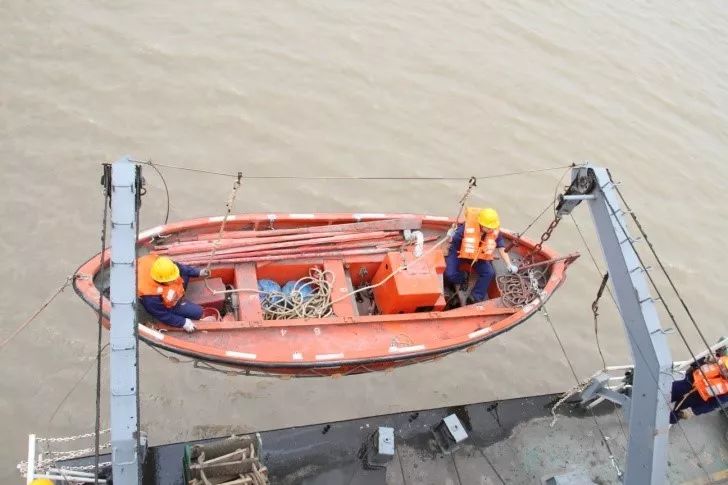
(197,292)
(418,287)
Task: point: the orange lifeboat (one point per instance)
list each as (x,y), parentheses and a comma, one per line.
(378,277)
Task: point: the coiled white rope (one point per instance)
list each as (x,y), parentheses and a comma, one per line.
(310,298)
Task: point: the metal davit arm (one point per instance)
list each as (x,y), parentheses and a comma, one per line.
(124,378)
(646,460)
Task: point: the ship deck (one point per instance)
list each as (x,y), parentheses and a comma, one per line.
(509,441)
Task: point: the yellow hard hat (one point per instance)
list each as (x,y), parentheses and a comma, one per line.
(164,270)
(489,218)
(41,481)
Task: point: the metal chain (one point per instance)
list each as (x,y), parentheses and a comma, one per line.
(518,290)
(551,205)
(529,258)
(514,290)
(23,467)
(565,397)
(66,439)
(535,281)
(53,457)
(536,219)
(86,467)
(71,454)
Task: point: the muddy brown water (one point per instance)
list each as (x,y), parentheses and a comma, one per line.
(374,88)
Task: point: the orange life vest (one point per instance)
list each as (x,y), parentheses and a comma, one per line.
(170,293)
(717,379)
(475,245)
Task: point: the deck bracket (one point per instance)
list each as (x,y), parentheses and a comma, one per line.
(598,389)
(380,448)
(449,434)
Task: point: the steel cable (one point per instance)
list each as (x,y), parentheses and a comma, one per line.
(662,300)
(328,177)
(166,189)
(662,267)
(102,274)
(17,331)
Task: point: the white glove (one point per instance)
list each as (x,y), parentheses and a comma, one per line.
(204,273)
(512,268)
(685,413)
(451,232)
(189,326)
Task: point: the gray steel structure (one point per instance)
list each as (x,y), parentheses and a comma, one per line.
(648,406)
(124,376)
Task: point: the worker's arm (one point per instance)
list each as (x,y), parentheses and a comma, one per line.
(451,260)
(709,405)
(153,304)
(500,243)
(188,271)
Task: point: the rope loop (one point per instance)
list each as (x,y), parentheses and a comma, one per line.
(229,207)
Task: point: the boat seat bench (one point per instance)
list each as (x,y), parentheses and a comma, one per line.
(341,285)
(249,307)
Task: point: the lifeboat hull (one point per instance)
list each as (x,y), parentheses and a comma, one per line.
(349,341)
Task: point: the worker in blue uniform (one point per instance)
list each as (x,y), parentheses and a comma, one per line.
(161,288)
(475,242)
(694,395)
